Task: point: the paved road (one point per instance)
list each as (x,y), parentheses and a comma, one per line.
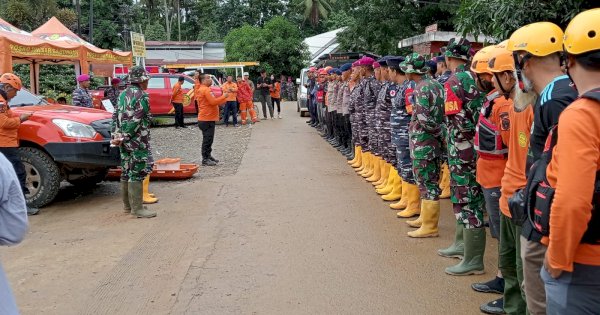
(294,231)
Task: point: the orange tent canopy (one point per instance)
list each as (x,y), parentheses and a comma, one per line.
(54,31)
(22,47)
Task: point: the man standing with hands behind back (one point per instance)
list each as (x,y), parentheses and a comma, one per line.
(177,101)
(231,107)
(10,84)
(208,114)
(265,84)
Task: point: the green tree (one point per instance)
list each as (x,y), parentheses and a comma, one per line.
(155,31)
(68,17)
(500,18)
(315,10)
(278,46)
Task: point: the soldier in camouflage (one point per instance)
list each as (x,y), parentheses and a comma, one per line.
(354,111)
(462,106)
(375,125)
(387,149)
(370,89)
(443,74)
(426,137)
(399,118)
(131,132)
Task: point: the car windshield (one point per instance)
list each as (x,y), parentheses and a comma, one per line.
(26,98)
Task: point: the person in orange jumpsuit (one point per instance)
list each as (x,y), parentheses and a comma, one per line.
(208,115)
(177,101)
(10,84)
(244,98)
(571,271)
(276,96)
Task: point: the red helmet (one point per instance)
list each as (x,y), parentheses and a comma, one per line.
(12,80)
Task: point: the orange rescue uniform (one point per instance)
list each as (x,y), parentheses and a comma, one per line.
(490,171)
(518,145)
(177,96)
(232,89)
(9,126)
(572,171)
(276,92)
(208,105)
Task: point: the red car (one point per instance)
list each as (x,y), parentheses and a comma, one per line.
(160,88)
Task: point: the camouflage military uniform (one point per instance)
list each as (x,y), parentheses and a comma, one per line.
(467,197)
(82,98)
(399,123)
(132,120)
(442,79)
(370,100)
(385,143)
(426,136)
(444,76)
(355,110)
(376,132)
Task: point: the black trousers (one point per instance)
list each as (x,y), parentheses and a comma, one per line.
(208,136)
(178,114)
(277,101)
(348,130)
(12,155)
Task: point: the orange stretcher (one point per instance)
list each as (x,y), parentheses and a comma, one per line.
(185,171)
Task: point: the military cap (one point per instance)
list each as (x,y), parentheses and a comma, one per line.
(345,67)
(356,64)
(441,58)
(383,61)
(338,71)
(138,74)
(414,63)
(432,64)
(394,62)
(366,61)
(459,48)
(376,65)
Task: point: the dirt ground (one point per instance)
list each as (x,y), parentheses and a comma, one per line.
(290,230)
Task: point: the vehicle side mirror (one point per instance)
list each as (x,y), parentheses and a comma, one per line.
(298,81)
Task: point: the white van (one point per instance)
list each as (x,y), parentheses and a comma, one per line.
(302,98)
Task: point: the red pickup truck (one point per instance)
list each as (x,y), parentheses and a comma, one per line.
(160,89)
(61,142)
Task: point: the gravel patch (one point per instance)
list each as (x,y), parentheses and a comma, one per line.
(186,143)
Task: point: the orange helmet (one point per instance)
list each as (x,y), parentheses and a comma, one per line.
(501,59)
(12,80)
(479,64)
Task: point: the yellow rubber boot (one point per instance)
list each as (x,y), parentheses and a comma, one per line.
(146,196)
(413,206)
(357,161)
(445,182)
(389,184)
(376,170)
(385,172)
(430,215)
(373,160)
(364,160)
(368,164)
(403,202)
(396,192)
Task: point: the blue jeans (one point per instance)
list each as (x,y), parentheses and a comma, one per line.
(230,108)
(573,293)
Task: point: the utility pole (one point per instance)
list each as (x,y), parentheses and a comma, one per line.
(78,10)
(178,21)
(91,36)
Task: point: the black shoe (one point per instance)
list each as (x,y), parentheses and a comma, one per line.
(493,307)
(309,122)
(208,162)
(495,285)
(32,211)
(213,159)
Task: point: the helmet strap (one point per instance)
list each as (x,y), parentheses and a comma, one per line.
(519,68)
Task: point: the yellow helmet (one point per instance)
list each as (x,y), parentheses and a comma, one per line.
(539,39)
(479,64)
(583,33)
(501,59)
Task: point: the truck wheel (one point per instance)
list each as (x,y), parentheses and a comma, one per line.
(90,180)
(43,177)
